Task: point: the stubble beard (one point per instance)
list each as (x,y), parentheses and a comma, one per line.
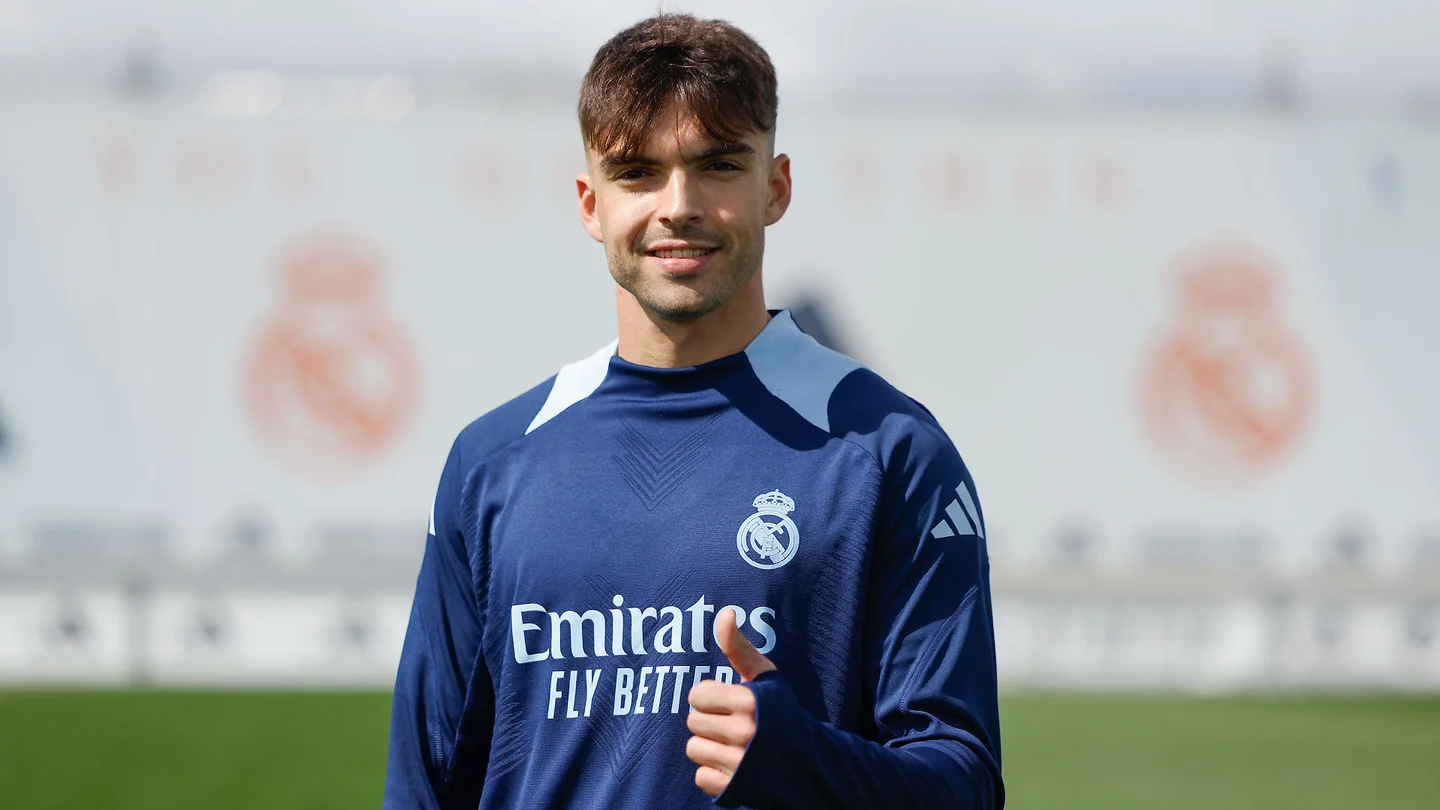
(695,299)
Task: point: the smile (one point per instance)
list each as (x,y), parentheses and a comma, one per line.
(689,253)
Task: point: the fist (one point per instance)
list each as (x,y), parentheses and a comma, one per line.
(723,720)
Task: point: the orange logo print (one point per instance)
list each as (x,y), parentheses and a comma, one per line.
(331,380)
(1228,392)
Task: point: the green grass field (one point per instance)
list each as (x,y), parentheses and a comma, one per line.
(270,751)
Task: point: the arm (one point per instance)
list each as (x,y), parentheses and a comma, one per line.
(443,706)
(930,654)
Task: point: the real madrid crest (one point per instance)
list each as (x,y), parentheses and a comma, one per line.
(769,538)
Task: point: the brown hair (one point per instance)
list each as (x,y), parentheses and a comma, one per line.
(711,68)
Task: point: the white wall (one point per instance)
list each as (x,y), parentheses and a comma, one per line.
(1274,519)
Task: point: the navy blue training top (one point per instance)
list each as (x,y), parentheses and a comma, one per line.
(586,534)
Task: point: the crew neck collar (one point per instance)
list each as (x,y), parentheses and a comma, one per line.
(780,325)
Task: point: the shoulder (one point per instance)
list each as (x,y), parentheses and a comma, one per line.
(838,394)
(896,430)
(919,464)
(500,426)
(798,371)
(519,417)
(478,441)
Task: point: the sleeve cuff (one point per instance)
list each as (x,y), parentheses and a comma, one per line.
(768,769)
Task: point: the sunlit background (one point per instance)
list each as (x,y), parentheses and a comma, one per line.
(1167,272)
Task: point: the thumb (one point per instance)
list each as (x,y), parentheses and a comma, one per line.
(743,656)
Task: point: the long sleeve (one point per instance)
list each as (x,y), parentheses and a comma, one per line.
(443,705)
(930,659)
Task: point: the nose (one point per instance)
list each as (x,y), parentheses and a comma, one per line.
(680,205)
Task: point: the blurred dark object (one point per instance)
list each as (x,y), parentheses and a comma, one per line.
(1279,78)
(71,627)
(1350,548)
(814,315)
(1074,547)
(140,73)
(4,438)
(211,628)
(248,535)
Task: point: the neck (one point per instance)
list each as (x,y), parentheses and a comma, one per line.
(649,340)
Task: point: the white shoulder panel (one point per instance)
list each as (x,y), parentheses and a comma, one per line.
(575,382)
(797,369)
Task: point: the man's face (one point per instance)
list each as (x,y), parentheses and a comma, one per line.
(683,219)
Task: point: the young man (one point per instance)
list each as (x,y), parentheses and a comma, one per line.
(596,541)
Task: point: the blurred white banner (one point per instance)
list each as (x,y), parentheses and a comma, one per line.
(1196,348)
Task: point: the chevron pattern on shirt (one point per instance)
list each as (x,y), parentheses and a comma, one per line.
(654,473)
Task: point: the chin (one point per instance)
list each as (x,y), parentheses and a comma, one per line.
(680,309)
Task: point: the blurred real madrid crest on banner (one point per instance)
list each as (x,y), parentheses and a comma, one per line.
(1228,392)
(332,379)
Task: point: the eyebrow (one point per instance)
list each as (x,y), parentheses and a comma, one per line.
(635,159)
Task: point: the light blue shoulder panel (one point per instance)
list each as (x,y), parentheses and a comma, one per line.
(797,369)
(573,383)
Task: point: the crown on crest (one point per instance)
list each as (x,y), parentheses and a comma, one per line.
(775,501)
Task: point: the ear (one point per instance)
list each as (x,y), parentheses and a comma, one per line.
(588,217)
(779,189)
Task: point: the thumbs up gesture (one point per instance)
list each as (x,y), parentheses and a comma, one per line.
(723,720)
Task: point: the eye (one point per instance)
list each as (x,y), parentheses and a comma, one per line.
(726,166)
(631,175)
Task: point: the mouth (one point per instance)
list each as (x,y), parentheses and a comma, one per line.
(682,261)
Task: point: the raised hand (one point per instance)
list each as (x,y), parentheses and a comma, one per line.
(724,718)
